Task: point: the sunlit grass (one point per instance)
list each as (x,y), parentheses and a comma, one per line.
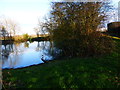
(111,37)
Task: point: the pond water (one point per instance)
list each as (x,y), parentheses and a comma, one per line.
(25,54)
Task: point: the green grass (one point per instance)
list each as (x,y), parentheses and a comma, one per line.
(97,72)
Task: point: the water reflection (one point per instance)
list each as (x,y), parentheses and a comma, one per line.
(26,44)
(17,55)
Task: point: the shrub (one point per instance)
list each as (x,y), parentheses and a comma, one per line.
(92,44)
(25,37)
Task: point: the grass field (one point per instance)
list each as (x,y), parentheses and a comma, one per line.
(94,72)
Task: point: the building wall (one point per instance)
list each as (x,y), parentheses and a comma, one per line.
(114,27)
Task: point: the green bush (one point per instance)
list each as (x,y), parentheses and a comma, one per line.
(25,37)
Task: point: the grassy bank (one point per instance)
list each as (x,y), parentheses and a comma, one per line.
(97,72)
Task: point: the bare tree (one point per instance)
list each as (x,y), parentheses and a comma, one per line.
(11,26)
(42,27)
(37,31)
(3,33)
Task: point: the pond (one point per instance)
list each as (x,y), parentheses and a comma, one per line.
(20,55)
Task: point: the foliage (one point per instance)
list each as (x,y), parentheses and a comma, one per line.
(73,28)
(86,45)
(25,37)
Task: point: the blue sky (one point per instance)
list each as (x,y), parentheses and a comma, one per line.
(27,12)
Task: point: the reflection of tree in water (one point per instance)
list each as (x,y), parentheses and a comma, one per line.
(53,51)
(26,44)
(41,45)
(42,48)
(48,49)
(11,55)
(8,49)
(38,46)
(16,59)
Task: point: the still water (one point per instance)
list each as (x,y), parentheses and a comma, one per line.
(25,54)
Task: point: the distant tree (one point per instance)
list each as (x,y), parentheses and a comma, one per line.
(11,26)
(73,28)
(42,28)
(4,33)
(25,37)
(37,31)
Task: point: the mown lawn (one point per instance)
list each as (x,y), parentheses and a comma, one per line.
(97,72)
